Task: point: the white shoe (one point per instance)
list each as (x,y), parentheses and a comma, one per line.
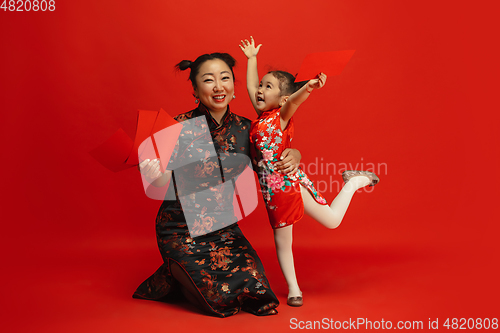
(347,175)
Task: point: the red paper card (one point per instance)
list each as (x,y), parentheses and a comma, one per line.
(163,120)
(145,123)
(114,152)
(330,63)
(165,133)
(156,137)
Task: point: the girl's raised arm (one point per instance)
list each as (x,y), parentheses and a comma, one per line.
(298,97)
(249,49)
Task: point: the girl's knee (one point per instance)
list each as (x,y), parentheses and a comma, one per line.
(282,243)
(282,240)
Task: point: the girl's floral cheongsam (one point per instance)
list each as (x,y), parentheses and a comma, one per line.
(281,192)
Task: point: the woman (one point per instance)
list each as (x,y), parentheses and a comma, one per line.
(219,271)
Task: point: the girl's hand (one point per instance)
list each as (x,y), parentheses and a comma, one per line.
(248,47)
(316,83)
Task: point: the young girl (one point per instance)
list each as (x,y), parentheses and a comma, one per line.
(275,100)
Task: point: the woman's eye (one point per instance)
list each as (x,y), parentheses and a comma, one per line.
(208,80)
(226,78)
(268,87)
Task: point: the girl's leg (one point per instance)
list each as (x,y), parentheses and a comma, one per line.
(331,216)
(283,239)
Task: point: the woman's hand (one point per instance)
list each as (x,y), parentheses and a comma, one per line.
(248,47)
(290,160)
(150,169)
(316,83)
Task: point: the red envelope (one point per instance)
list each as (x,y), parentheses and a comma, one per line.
(330,63)
(156,137)
(145,123)
(164,135)
(163,120)
(114,152)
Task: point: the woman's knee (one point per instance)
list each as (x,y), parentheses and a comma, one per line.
(187,286)
(181,276)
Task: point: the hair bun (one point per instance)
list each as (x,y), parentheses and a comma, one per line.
(184,64)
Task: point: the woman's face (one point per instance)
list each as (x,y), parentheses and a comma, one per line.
(215,85)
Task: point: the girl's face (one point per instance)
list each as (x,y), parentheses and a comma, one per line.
(268,95)
(215,85)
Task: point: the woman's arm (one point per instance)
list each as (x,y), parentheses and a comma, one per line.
(249,49)
(289,161)
(298,97)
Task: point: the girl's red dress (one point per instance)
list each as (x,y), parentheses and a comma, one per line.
(281,192)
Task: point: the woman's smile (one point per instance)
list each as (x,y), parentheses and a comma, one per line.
(219,98)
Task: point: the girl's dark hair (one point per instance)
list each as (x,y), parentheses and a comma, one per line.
(195,65)
(287,82)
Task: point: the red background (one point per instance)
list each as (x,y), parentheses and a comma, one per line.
(419,95)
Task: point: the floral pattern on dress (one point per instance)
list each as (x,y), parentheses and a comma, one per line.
(268,142)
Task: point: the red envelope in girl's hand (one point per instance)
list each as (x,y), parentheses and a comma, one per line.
(330,63)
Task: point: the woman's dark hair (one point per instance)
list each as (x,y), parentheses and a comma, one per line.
(195,65)
(287,82)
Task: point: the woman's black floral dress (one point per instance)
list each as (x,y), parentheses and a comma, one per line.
(222,264)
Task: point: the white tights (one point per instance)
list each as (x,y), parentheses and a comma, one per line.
(329,216)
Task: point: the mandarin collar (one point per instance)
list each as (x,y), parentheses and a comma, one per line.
(212,123)
(272,110)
